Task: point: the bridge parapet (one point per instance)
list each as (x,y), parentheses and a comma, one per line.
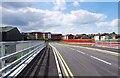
(14,54)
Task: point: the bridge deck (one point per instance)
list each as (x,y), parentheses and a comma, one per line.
(42,66)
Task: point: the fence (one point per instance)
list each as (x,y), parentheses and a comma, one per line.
(13,54)
(108,43)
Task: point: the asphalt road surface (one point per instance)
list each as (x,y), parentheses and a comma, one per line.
(66,61)
(83,62)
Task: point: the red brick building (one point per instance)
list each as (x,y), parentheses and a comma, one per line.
(56,37)
(38,35)
(43,35)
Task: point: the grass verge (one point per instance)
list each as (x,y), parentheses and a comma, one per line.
(63,42)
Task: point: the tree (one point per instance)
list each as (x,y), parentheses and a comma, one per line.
(113,33)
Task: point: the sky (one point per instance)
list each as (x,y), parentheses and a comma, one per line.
(61,16)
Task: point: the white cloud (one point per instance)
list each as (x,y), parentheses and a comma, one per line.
(82,17)
(113,23)
(75,3)
(32,19)
(60,5)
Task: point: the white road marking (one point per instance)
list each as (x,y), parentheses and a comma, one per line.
(118,67)
(58,66)
(95,49)
(101,60)
(80,52)
(72,48)
(87,54)
(93,57)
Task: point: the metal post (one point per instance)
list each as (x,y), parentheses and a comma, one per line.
(22,48)
(30,44)
(2,54)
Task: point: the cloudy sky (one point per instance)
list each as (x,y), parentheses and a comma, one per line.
(61,17)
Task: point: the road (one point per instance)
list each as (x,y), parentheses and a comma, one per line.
(85,62)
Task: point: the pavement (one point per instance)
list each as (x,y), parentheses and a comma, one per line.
(102,48)
(106,48)
(88,63)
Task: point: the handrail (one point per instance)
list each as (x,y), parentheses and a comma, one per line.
(16,61)
(8,73)
(26,56)
(15,42)
(16,53)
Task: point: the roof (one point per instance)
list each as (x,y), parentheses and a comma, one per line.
(69,35)
(6,28)
(37,32)
(57,34)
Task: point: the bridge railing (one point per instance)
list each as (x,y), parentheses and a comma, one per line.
(14,54)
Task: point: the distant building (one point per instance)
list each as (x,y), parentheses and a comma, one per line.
(78,36)
(47,35)
(84,36)
(37,35)
(9,33)
(56,37)
(112,36)
(68,36)
(97,37)
(106,36)
(117,36)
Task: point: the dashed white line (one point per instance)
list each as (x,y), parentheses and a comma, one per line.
(72,48)
(101,60)
(80,52)
(118,67)
(93,57)
(88,54)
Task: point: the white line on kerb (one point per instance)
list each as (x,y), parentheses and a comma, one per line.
(101,60)
(80,51)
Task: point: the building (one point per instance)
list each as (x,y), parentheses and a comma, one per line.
(117,36)
(37,35)
(56,37)
(9,33)
(68,36)
(78,36)
(85,36)
(97,37)
(105,36)
(47,35)
(112,36)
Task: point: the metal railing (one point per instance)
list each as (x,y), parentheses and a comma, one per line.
(18,56)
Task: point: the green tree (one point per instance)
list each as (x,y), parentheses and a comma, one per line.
(113,33)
